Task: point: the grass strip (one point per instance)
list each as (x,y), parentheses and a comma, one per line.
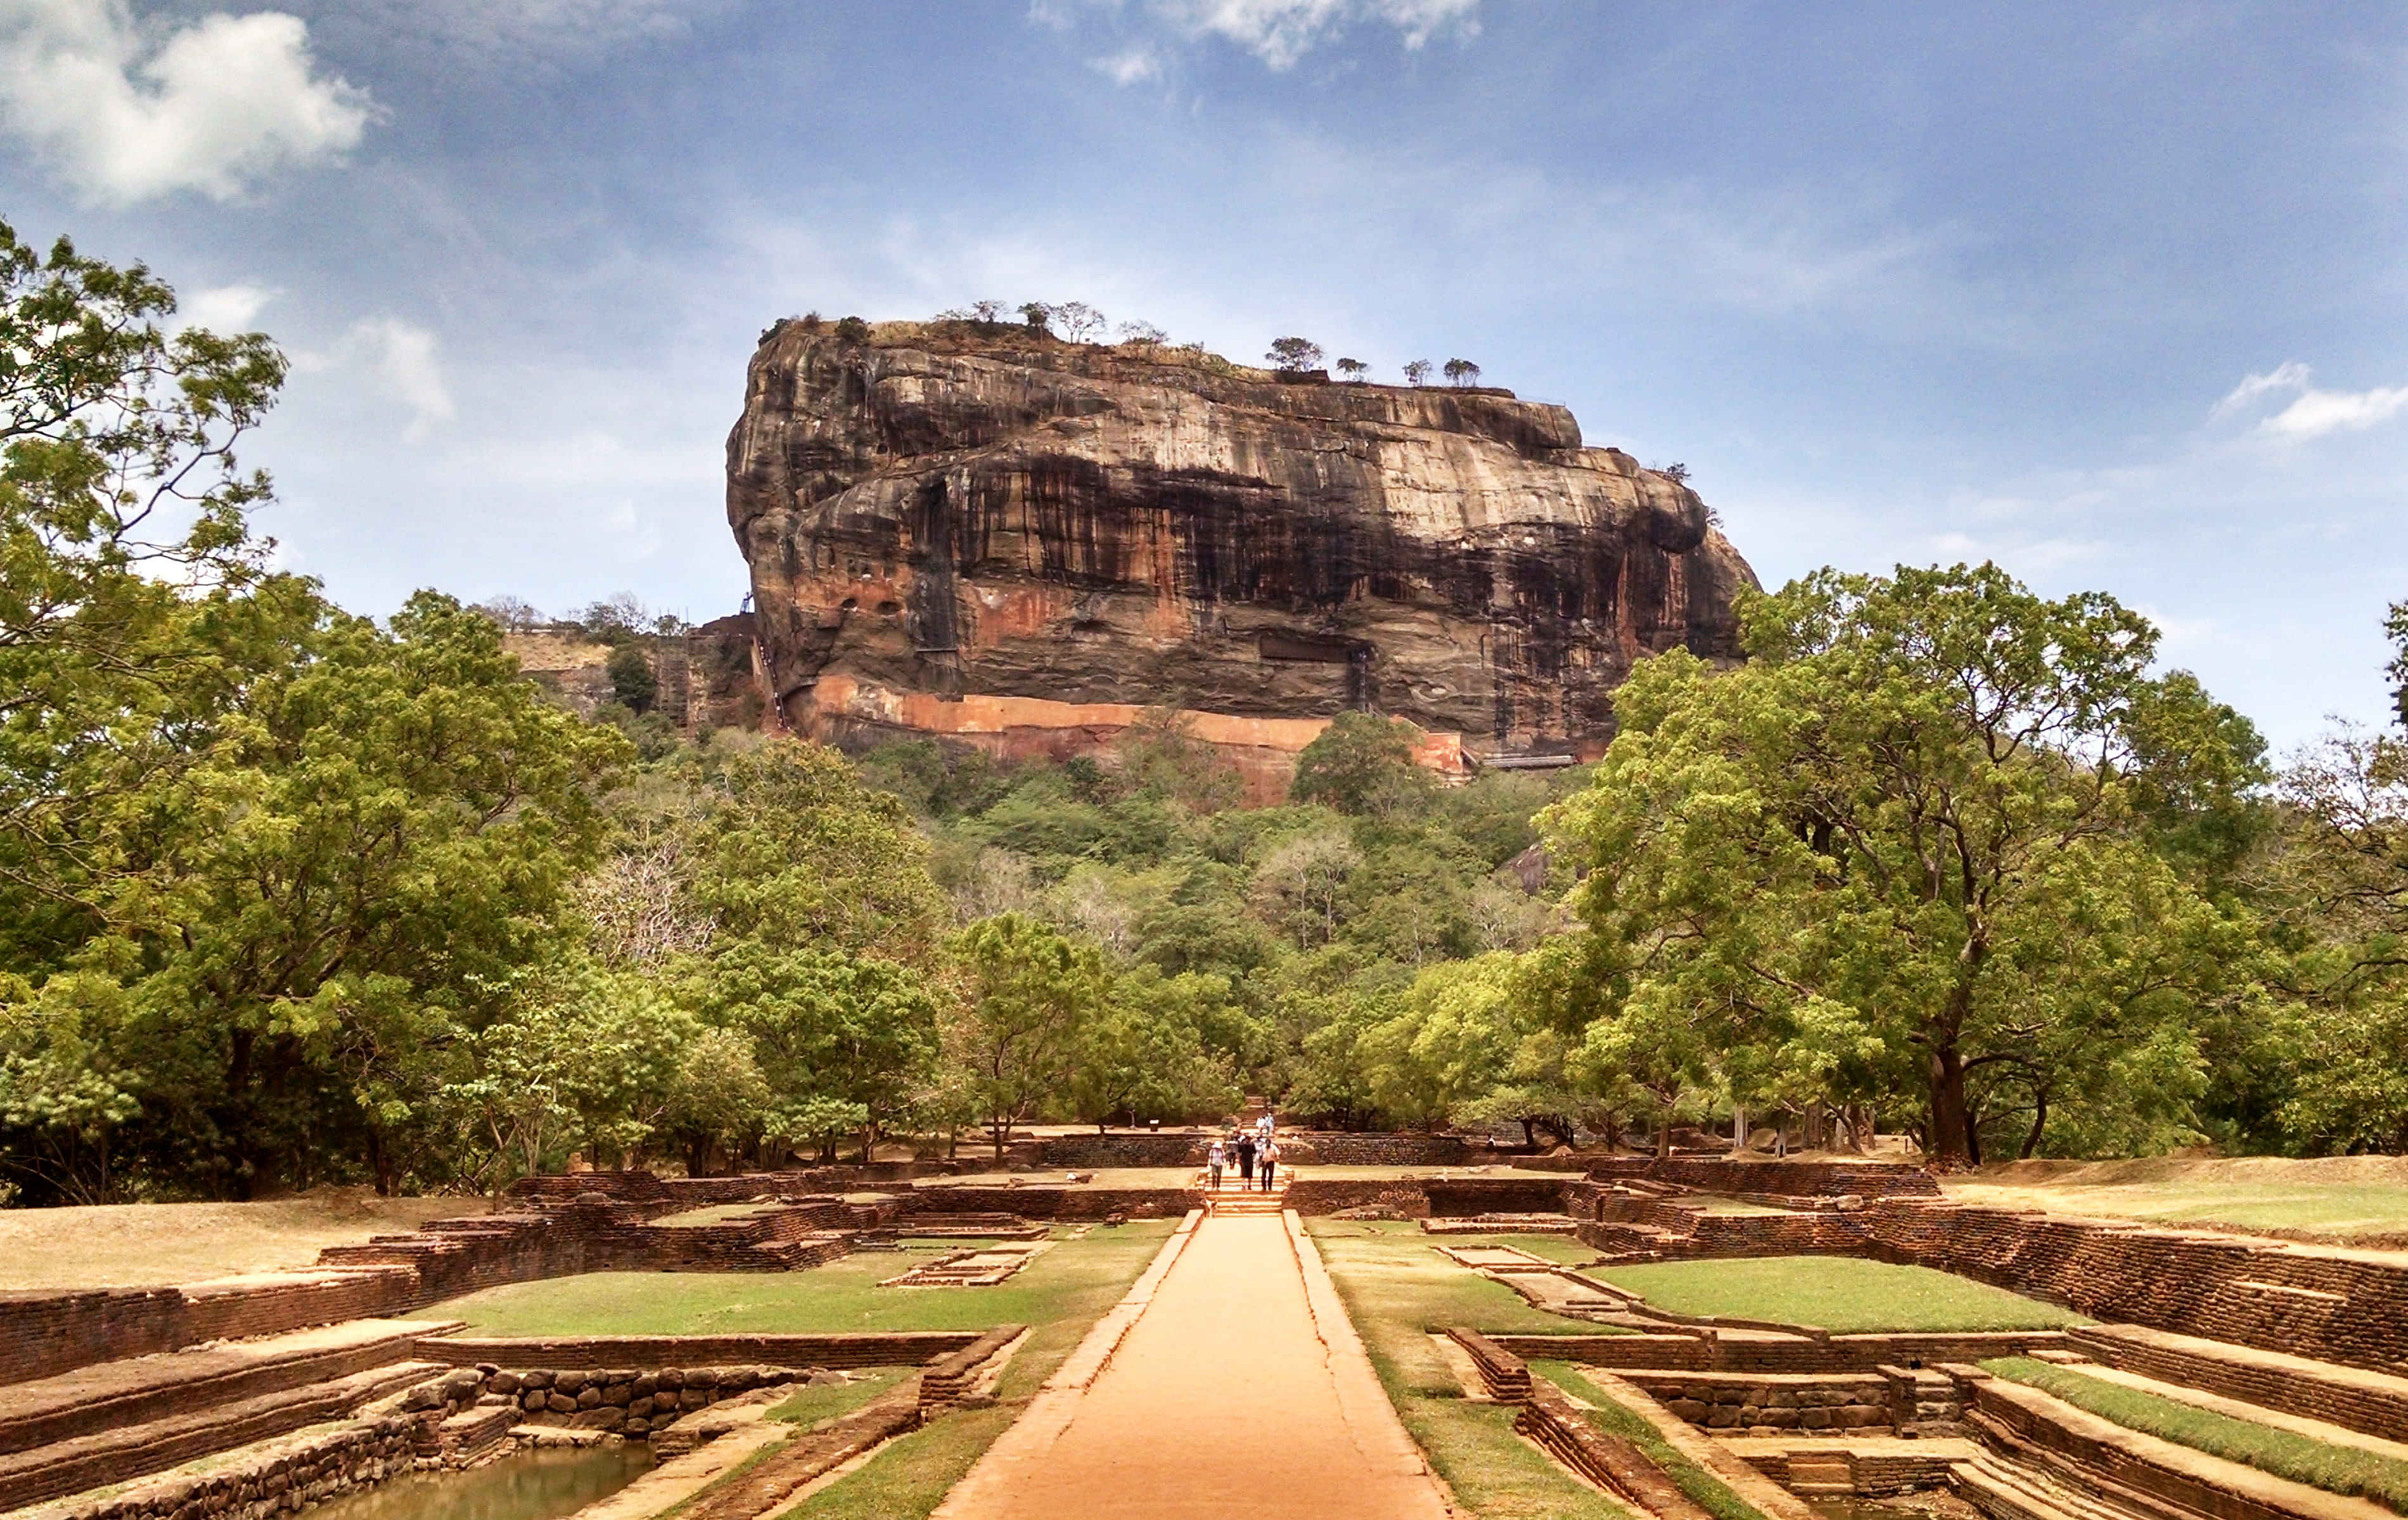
(1710,1493)
(838,1296)
(1394,1289)
(808,1406)
(1845,1295)
(2286,1454)
(910,1475)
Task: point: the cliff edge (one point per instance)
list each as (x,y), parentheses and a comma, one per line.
(990,534)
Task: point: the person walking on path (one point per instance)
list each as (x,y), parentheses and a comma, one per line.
(1213,1161)
(1245,1163)
(1268,1159)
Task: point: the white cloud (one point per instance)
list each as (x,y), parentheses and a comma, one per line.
(2312,413)
(2316,413)
(1280,32)
(127,113)
(1135,66)
(223,308)
(2289,376)
(404,362)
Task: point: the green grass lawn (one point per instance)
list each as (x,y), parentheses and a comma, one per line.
(1394,1263)
(911,1474)
(1395,1288)
(2337,1209)
(2286,1454)
(1710,1493)
(808,1406)
(843,1296)
(1841,1293)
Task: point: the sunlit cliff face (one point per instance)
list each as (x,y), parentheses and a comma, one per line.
(1024,541)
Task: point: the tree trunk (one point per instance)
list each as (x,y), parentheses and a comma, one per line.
(2039,1122)
(1663,1133)
(1950,1120)
(1738,1128)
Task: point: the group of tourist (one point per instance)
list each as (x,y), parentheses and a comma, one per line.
(1252,1154)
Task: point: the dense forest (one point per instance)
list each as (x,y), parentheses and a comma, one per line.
(289,895)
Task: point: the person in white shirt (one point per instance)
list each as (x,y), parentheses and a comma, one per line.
(1265,1159)
(1214,1160)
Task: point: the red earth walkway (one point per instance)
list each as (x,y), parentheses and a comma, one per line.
(1240,1389)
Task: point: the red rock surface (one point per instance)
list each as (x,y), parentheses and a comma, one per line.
(1022,543)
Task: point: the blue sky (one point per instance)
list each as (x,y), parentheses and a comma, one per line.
(2113,295)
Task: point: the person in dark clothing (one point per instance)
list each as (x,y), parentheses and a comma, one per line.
(1245,1161)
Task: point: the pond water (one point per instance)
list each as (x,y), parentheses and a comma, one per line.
(529,1485)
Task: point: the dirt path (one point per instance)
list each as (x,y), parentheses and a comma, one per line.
(1222,1400)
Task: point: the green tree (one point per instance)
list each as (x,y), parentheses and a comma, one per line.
(1912,806)
(1293,355)
(793,850)
(1032,994)
(123,518)
(1363,764)
(1144,1055)
(826,1027)
(632,681)
(381,835)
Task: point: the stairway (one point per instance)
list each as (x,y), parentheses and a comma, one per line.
(113,1421)
(2006,1488)
(1230,1203)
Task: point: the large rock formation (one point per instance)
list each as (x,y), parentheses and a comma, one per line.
(995,536)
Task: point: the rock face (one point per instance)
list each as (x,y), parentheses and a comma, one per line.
(995,536)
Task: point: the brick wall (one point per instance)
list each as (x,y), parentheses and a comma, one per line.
(1839,1353)
(650,1353)
(2358,1403)
(1782,1179)
(43,1334)
(1076,1201)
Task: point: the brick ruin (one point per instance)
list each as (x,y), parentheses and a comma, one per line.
(2322,1333)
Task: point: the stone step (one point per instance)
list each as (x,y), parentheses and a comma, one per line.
(2003,1488)
(110,1396)
(133,1451)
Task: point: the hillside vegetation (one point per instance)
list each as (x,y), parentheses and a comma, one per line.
(290,895)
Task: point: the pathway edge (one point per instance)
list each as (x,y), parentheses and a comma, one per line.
(1372,1419)
(1056,1403)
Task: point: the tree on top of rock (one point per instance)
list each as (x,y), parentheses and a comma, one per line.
(1079,322)
(1354,370)
(1293,355)
(1462,372)
(1417,371)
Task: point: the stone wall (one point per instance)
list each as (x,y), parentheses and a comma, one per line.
(305,1471)
(1706,1352)
(627,1401)
(1440,1198)
(1072,1202)
(1777,1179)
(1300,1147)
(1176,1148)
(1770,1403)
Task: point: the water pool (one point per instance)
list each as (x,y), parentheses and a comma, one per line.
(528,1486)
